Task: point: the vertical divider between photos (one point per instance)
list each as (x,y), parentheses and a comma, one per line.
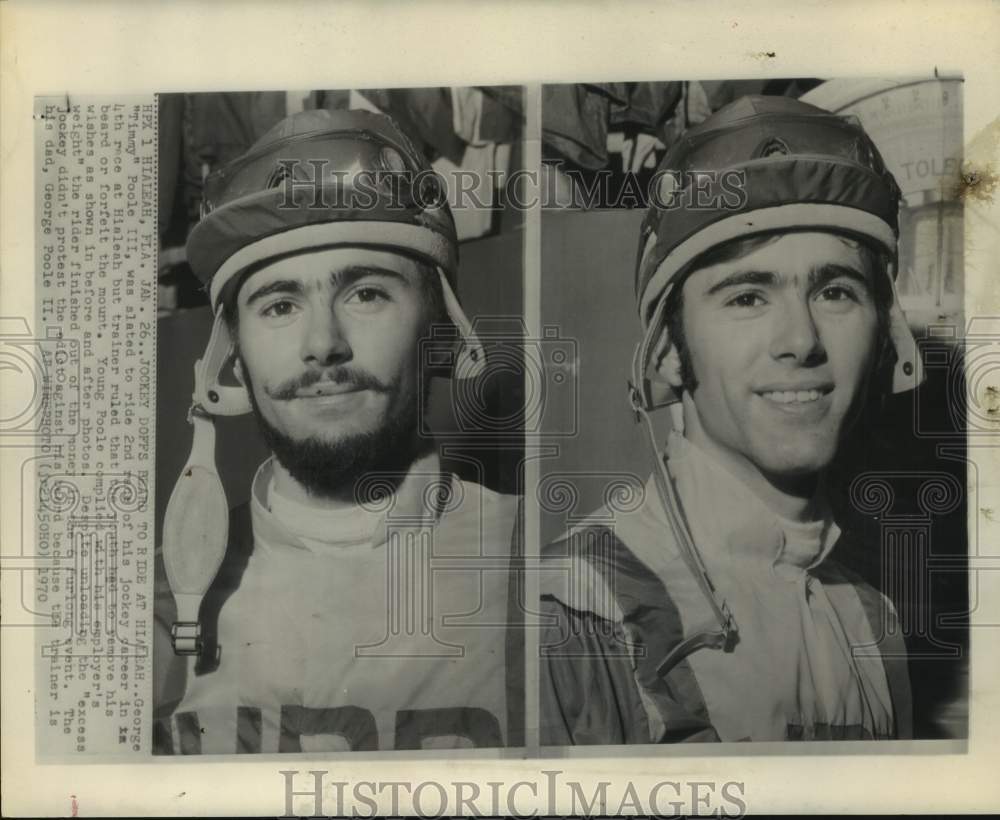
(533,323)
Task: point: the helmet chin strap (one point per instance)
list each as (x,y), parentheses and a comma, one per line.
(196,524)
(908,373)
(645,396)
(195,533)
(216,398)
(651,394)
(470,358)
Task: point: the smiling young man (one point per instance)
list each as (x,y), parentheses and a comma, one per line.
(715,610)
(320,617)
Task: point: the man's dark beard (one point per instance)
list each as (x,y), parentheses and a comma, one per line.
(333,470)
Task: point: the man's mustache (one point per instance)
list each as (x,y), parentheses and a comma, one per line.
(357,379)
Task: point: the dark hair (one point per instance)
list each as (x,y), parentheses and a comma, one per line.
(876,260)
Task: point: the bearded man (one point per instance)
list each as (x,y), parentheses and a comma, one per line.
(362,599)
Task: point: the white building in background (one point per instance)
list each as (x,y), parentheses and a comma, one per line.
(917,125)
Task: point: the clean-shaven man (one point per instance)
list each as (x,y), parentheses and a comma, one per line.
(717,611)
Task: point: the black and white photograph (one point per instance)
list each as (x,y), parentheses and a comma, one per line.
(495,409)
(761,521)
(337,506)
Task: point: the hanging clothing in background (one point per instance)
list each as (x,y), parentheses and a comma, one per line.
(299,100)
(335,100)
(647,107)
(467,114)
(218,127)
(697,106)
(198,133)
(356,101)
(722,92)
(460,128)
(638,151)
(576,119)
(424,115)
(642,124)
(575,125)
(472,181)
(224,125)
(170,150)
(327,99)
(502,117)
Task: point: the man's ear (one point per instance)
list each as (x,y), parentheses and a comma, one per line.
(667,362)
(238,371)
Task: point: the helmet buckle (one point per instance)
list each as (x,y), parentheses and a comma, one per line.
(635,400)
(186,637)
